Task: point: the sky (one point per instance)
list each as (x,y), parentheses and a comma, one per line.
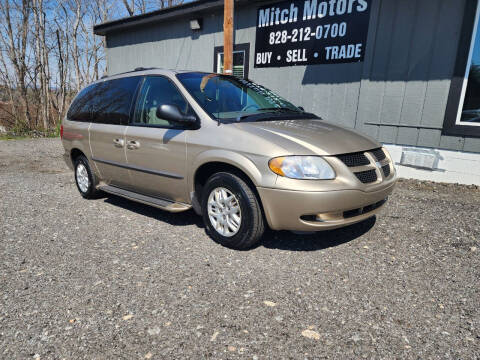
(476,48)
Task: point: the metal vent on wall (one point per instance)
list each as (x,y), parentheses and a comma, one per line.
(420,158)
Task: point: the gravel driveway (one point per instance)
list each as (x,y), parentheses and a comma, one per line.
(114,279)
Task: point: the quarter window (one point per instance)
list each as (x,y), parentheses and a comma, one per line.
(106,102)
(80,109)
(113,99)
(157,91)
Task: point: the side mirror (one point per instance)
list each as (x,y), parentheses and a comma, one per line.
(172,113)
(301,108)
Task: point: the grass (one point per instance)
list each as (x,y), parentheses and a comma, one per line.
(21,134)
(13,137)
(27,136)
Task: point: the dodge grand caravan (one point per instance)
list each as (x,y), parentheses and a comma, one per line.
(240,155)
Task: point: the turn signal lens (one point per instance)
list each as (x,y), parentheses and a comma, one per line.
(302,167)
(276,165)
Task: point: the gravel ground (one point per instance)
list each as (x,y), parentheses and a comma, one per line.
(110,278)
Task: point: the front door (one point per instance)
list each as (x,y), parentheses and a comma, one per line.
(155,148)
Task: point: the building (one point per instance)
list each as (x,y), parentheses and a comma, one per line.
(406,72)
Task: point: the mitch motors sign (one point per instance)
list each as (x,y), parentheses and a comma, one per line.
(311,32)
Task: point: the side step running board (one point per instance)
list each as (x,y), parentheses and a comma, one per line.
(144,199)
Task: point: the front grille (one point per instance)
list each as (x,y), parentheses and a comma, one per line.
(386,170)
(354,159)
(367,176)
(352,213)
(379,154)
(372,158)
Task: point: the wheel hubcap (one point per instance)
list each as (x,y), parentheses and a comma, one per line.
(82,178)
(224,212)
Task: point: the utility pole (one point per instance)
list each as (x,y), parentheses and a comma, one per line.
(228,38)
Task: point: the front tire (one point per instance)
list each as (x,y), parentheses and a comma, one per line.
(231,212)
(85,179)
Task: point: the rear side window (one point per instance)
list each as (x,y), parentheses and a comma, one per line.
(107,102)
(113,100)
(80,109)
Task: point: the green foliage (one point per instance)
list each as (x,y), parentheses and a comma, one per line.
(12,137)
(22,131)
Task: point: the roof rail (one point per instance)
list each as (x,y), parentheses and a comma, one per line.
(141,68)
(131,71)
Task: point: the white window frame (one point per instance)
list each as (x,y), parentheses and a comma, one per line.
(219,56)
(467,72)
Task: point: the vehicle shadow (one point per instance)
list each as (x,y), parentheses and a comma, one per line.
(178,219)
(281,240)
(286,240)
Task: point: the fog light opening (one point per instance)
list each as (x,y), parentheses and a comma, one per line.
(323,217)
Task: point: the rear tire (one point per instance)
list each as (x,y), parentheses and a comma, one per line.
(231,212)
(85,179)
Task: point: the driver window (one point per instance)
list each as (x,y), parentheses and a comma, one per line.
(157,91)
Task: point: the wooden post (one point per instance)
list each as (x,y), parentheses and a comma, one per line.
(228,38)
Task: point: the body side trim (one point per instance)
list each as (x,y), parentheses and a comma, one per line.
(138,168)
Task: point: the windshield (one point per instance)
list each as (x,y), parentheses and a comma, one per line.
(228,97)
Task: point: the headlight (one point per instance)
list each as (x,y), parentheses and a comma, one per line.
(302,167)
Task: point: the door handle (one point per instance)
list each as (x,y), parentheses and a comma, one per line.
(133,145)
(118,142)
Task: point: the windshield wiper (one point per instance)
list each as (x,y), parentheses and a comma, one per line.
(241,117)
(277,109)
(281,108)
(278,115)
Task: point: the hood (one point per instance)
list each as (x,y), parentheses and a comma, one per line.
(305,137)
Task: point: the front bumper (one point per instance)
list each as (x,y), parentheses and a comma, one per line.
(297,210)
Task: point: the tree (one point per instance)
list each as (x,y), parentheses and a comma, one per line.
(14,42)
(135,7)
(48,53)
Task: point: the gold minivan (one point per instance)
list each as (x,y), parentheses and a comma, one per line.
(237,153)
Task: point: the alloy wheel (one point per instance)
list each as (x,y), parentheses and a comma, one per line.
(82,178)
(224,211)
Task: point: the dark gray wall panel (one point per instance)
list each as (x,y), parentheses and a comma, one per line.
(407,136)
(387,134)
(445,41)
(472,145)
(452,142)
(401,22)
(429,137)
(419,62)
(371,130)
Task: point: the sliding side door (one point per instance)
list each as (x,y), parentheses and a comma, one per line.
(112,106)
